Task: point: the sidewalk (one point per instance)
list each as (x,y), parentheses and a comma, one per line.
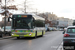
(5,37)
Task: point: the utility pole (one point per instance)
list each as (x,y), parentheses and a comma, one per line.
(25,5)
(5,18)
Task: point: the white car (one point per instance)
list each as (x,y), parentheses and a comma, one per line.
(50,28)
(7,29)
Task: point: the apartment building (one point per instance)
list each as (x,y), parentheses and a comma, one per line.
(70,22)
(64,22)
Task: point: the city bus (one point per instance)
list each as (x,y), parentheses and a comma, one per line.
(27,25)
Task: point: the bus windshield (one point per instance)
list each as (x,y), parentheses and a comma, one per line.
(22,23)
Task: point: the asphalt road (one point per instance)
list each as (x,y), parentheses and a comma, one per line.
(50,41)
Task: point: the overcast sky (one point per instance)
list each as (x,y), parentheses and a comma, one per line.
(62,8)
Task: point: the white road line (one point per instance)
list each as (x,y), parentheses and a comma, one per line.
(60,47)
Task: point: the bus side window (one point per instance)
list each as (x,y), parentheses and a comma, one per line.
(33,22)
(39,23)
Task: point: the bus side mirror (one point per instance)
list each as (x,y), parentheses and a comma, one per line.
(9,19)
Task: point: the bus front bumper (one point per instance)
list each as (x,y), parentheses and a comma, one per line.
(27,35)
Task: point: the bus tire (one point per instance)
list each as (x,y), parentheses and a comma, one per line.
(36,34)
(42,33)
(18,37)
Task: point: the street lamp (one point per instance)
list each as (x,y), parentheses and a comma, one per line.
(5,18)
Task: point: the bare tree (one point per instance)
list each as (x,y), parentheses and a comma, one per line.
(27,6)
(8,7)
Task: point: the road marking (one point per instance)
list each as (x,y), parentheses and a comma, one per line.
(60,47)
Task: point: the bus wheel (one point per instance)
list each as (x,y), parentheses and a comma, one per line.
(42,33)
(18,37)
(36,34)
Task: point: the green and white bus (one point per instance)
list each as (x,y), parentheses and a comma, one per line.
(27,25)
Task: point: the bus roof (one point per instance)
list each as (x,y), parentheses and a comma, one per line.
(38,17)
(22,14)
(33,15)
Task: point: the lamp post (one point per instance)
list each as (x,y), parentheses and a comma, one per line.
(5,18)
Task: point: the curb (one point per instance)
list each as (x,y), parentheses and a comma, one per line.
(6,37)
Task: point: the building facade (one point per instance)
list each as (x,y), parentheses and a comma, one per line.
(64,22)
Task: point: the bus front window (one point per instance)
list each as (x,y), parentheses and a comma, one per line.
(22,23)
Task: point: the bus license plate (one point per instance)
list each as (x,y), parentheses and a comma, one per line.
(21,35)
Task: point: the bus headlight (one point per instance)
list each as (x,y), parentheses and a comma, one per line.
(30,33)
(12,34)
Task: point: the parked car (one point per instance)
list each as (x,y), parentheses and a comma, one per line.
(69,37)
(45,28)
(7,30)
(54,28)
(57,29)
(61,29)
(50,28)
